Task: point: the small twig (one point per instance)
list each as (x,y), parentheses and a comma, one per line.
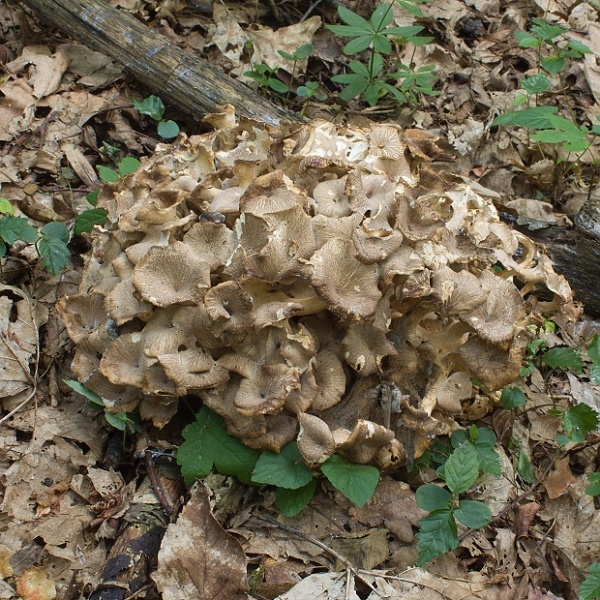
(156,485)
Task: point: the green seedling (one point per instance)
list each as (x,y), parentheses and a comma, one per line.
(266,78)
(154,107)
(590,588)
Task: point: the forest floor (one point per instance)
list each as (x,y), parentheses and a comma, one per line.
(66,109)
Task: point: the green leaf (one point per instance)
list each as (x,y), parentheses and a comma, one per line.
(107,174)
(536,117)
(128,165)
(536,84)
(590,588)
(6,206)
(167,129)
(526,40)
(594,488)
(57,231)
(286,55)
(356,482)
(3,249)
(545,31)
(382,16)
(17,228)
(437,535)
(525,468)
(553,64)
(583,419)
(92,197)
(512,397)
(122,421)
(285,469)
(55,254)
(207,444)
(94,398)
(462,469)
(432,497)
(351,18)
(593,351)
(563,358)
(579,47)
(291,502)
(84,223)
(473,514)
(277,85)
(362,43)
(152,106)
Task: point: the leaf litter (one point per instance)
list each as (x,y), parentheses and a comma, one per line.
(61,102)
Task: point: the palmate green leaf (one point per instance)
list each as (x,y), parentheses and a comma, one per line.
(536,84)
(356,85)
(590,587)
(207,444)
(152,106)
(594,488)
(473,514)
(437,535)
(352,19)
(291,502)
(462,469)
(54,253)
(356,482)
(545,30)
(536,117)
(432,497)
(286,469)
(57,231)
(84,222)
(564,358)
(17,228)
(382,16)
(512,397)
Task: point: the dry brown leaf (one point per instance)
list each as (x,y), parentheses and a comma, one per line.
(524,517)
(557,481)
(198,558)
(35,584)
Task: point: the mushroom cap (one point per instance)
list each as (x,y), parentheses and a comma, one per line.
(331,199)
(365,347)
(452,391)
(330,378)
(315,440)
(385,142)
(172,275)
(364,443)
(193,369)
(124,361)
(229,308)
(213,242)
(267,391)
(348,286)
(84,315)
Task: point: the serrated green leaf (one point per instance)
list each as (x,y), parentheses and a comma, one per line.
(17,228)
(128,165)
(462,469)
(512,397)
(57,231)
(286,469)
(564,358)
(55,254)
(594,488)
(3,249)
(553,64)
(84,223)
(291,502)
(207,444)
(526,40)
(6,206)
(536,84)
(92,197)
(167,129)
(107,174)
(590,587)
(94,398)
(356,482)
(593,351)
(583,418)
(473,514)
(579,47)
(489,459)
(536,117)
(152,106)
(545,30)
(525,468)
(432,497)
(437,535)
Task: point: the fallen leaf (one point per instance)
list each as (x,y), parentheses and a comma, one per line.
(198,558)
(558,479)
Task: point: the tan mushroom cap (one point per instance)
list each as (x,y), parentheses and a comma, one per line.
(331,199)
(348,286)
(364,443)
(163,334)
(267,391)
(457,292)
(331,380)
(315,440)
(84,316)
(452,391)
(281,430)
(270,193)
(124,361)
(172,275)
(229,308)
(213,242)
(116,398)
(365,347)
(385,142)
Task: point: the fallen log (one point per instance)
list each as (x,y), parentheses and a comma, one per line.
(180,77)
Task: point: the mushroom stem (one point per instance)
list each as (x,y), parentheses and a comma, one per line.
(311,305)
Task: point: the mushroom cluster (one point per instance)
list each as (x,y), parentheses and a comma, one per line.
(309,282)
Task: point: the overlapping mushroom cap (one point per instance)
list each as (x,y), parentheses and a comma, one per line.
(305,284)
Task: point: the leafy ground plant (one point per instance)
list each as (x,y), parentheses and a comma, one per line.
(154,107)
(377,78)
(473,455)
(207,445)
(590,588)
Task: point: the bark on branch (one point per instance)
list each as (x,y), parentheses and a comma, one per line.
(178,76)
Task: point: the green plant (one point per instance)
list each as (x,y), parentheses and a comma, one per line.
(473,455)
(576,423)
(121,421)
(590,588)
(154,107)
(207,445)
(594,488)
(376,79)
(554,51)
